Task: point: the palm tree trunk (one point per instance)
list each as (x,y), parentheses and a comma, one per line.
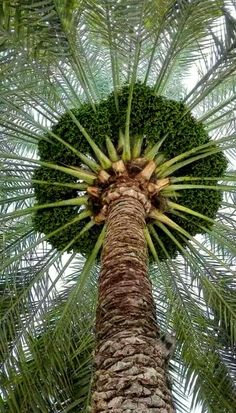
(131,360)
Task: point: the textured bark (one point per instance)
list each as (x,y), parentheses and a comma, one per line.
(131,359)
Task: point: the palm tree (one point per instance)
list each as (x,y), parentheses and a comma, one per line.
(112,165)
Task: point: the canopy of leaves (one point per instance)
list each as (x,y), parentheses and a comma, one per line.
(154,117)
(56,56)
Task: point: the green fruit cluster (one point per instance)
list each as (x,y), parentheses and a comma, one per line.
(155,118)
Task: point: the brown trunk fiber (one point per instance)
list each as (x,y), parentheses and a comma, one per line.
(131,360)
